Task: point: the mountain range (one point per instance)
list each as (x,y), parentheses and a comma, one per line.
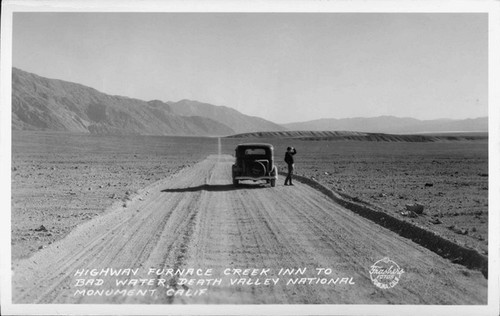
(225,115)
(40,103)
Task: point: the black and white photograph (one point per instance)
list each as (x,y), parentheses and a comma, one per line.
(300,157)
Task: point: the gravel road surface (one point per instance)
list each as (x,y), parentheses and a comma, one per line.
(195,238)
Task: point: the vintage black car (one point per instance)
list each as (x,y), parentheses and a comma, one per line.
(255,161)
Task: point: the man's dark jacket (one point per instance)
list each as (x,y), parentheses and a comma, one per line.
(289,156)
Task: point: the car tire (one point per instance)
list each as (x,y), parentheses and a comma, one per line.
(273,183)
(236,182)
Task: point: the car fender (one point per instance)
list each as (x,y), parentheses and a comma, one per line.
(274,172)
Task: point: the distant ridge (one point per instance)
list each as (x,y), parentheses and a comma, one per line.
(361,136)
(392,125)
(237,121)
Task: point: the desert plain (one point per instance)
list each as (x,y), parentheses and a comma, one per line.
(62,183)
(61,180)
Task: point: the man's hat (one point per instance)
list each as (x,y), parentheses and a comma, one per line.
(289,148)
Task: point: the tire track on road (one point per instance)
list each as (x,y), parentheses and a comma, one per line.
(198,219)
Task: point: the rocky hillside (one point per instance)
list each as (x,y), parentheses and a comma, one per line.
(46,104)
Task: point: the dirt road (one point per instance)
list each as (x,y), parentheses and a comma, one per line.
(191,237)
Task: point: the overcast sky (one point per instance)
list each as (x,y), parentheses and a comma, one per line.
(284,67)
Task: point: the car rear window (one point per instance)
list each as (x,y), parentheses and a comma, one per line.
(255,151)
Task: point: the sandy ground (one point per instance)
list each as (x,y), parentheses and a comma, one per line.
(197,219)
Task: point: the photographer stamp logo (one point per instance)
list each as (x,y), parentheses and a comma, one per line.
(385,273)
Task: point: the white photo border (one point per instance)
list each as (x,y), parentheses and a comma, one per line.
(492,8)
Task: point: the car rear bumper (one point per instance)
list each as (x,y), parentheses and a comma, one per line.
(256,178)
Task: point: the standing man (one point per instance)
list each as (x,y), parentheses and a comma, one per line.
(290,151)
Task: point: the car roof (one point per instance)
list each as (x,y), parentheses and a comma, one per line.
(255,145)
